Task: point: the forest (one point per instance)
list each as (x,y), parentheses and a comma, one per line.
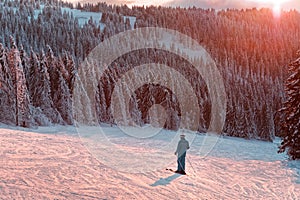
(41,54)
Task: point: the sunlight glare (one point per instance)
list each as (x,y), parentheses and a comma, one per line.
(277,10)
(274,4)
(149,2)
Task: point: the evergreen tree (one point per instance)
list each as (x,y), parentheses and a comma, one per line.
(25,64)
(71,68)
(291,110)
(23,113)
(7,95)
(60,92)
(62,98)
(39,89)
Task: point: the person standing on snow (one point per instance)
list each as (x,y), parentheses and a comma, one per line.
(182,147)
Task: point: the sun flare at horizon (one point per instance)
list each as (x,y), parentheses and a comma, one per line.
(277,10)
(148,2)
(276,5)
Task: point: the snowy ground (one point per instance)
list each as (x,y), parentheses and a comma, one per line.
(54,163)
(82,16)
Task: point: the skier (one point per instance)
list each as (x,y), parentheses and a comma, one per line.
(182,147)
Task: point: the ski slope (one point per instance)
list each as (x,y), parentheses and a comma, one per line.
(55,163)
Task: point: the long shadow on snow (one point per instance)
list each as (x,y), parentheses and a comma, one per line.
(165,181)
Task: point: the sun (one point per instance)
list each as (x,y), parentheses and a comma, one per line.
(277,10)
(147,2)
(276,5)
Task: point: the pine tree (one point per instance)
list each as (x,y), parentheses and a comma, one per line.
(60,92)
(25,64)
(70,66)
(62,99)
(23,113)
(7,93)
(39,88)
(291,110)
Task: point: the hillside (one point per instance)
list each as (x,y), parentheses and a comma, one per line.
(43,44)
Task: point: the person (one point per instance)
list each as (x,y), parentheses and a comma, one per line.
(182,147)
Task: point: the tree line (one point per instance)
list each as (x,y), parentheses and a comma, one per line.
(250,47)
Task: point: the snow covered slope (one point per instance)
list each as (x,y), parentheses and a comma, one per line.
(54,163)
(83,16)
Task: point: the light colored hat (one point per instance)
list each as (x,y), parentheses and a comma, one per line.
(182,135)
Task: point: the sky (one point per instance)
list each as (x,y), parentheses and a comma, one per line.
(217,4)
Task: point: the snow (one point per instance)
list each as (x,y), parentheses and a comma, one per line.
(83,16)
(131,19)
(54,163)
(38,11)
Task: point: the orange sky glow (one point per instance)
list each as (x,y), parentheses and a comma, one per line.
(276,5)
(284,4)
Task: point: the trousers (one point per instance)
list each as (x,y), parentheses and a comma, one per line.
(181,162)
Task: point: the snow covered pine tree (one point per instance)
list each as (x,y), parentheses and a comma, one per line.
(23,113)
(291,110)
(7,93)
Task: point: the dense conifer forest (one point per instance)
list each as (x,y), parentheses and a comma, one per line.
(40,55)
